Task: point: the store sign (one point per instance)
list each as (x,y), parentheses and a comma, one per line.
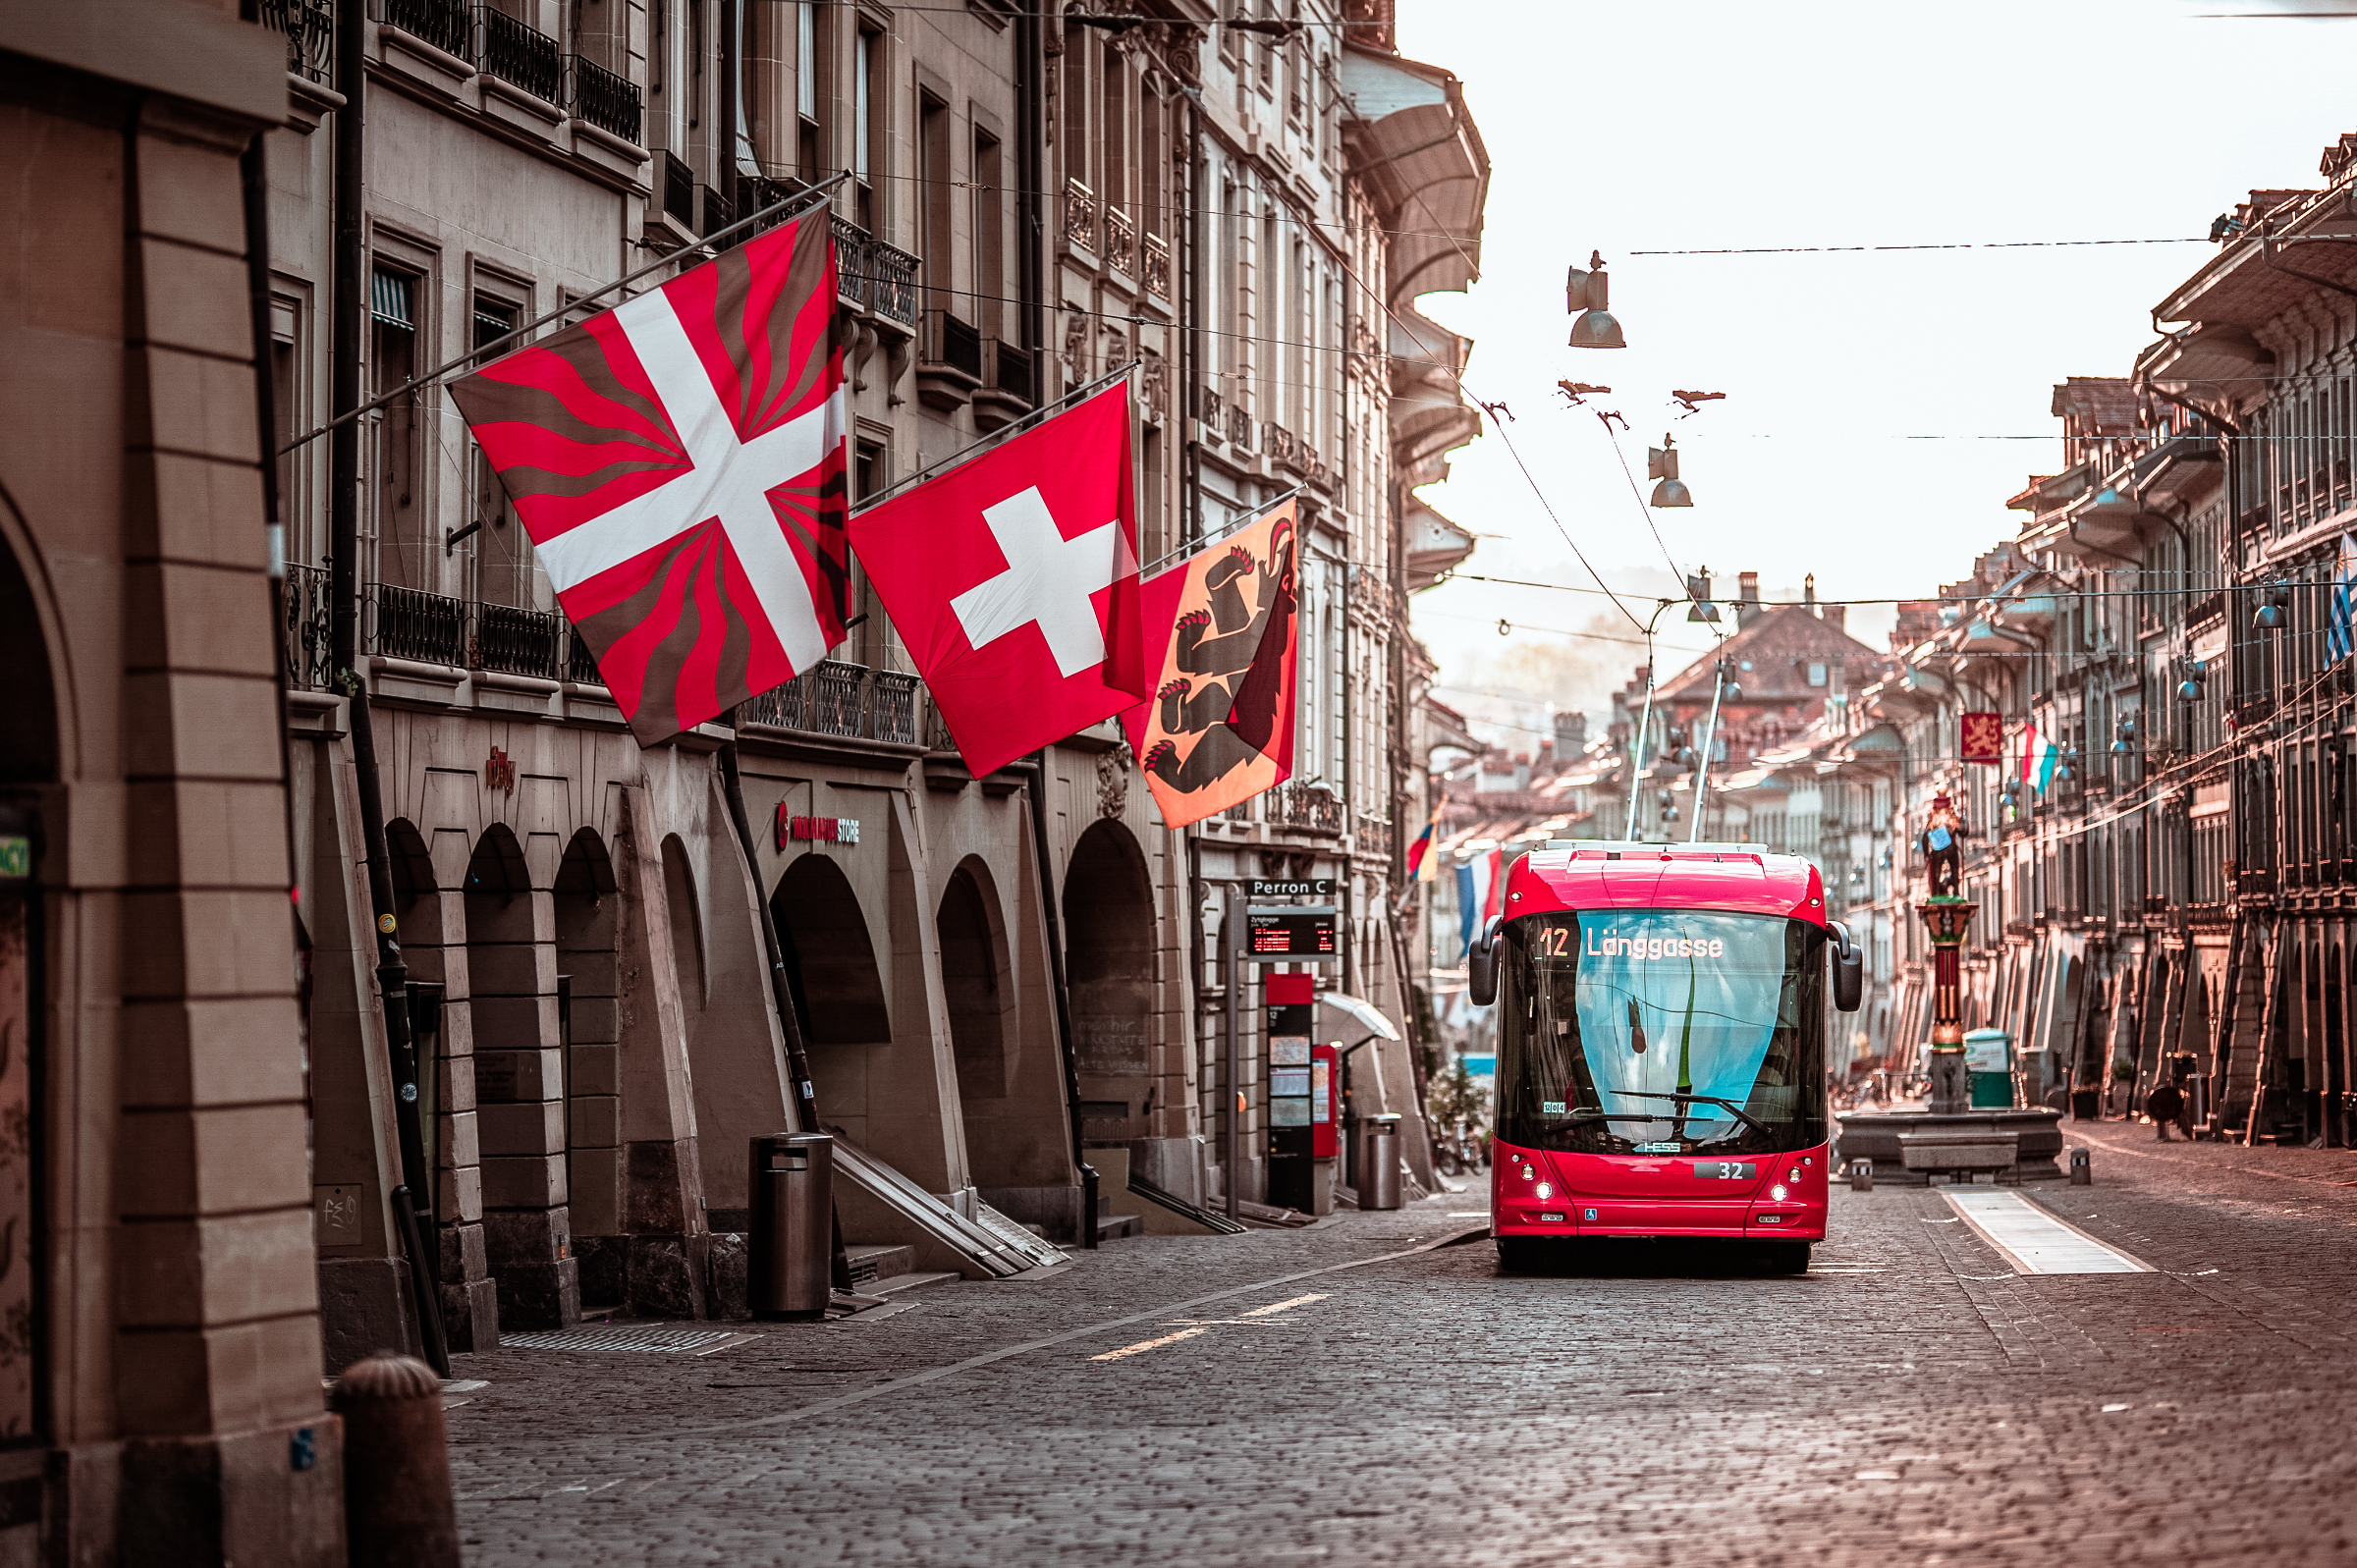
(1304,887)
(16,855)
(815,830)
(1298,932)
(499,770)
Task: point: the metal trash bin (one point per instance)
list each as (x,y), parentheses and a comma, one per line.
(790,1243)
(1379,1165)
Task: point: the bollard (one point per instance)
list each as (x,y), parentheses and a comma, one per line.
(1861,1175)
(2082,1167)
(398,1510)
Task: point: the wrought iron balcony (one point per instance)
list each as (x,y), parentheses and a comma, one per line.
(679,191)
(1079,215)
(517,642)
(894,707)
(444,24)
(852,264)
(410,623)
(605,100)
(1214,411)
(1293,805)
(305,644)
(891,280)
(310,30)
(952,342)
(1121,240)
(1011,372)
(520,55)
(1373,836)
(1239,428)
(581,664)
(1158,267)
(829,700)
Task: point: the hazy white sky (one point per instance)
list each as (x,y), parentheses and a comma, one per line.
(1639,126)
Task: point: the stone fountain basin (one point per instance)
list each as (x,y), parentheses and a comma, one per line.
(1873,1135)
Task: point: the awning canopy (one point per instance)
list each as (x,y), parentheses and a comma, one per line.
(1415,145)
(1350,1021)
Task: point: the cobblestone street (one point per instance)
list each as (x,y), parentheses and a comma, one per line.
(1368,1391)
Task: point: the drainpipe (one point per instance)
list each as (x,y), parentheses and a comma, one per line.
(412,1201)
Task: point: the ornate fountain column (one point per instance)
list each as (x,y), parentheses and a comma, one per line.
(1947,918)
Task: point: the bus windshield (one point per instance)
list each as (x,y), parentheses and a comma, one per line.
(1659,1032)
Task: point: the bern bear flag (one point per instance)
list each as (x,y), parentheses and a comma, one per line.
(678,464)
(1218,727)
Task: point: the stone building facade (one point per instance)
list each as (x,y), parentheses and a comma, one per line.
(159,1309)
(1026,202)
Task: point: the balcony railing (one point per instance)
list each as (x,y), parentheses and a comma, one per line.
(829,700)
(581,664)
(894,707)
(952,342)
(1373,836)
(517,642)
(679,191)
(1010,371)
(304,645)
(1293,805)
(1239,428)
(1121,240)
(1158,267)
(310,30)
(872,275)
(1080,214)
(444,24)
(520,55)
(606,100)
(410,623)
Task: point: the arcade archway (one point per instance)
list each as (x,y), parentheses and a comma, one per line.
(1109,972)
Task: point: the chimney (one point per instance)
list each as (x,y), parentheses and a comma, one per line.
(1808,590)
(1747,596)
(1834,616)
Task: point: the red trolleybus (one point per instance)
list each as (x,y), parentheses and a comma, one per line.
(1661,1047)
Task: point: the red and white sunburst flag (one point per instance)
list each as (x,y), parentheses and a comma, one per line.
(1014,581)
(678,463)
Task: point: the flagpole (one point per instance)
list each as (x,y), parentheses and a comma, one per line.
(476,356)
(1238,526)
(1011,428)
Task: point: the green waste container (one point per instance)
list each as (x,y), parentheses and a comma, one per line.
(1989,1060)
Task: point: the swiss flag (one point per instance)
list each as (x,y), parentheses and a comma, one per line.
(1014,581)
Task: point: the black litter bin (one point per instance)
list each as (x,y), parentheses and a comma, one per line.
(791,1236)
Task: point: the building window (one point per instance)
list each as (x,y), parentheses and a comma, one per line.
(399,513)
(867,135)
(990,237)
(1817,672)
(809,71)
(504,571)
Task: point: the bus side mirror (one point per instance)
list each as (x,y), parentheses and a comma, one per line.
(1481,965)
(1849,968)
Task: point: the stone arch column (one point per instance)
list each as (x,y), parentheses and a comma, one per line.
(586,910)
(518,1075)
(433,942)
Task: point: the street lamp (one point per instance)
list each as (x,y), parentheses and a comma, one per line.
(1660,462)
(1587,294)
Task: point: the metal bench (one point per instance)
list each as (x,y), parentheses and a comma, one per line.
(1963,1155)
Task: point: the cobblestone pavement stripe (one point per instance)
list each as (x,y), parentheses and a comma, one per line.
(1145,1345)
(803,1413)
(2036,1242)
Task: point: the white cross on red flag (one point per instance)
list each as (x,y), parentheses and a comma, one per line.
(1012,580)
(678,464)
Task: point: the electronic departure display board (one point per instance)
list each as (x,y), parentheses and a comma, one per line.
(1295,932)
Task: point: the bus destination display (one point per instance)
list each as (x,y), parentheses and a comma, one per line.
(1302,931)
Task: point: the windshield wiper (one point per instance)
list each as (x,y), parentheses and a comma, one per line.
(1586,1114)
(1701,1099)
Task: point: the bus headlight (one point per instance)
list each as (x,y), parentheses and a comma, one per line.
(1775,1194)
(1546,1189)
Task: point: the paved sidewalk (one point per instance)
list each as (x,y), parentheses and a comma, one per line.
(1910,1400)
(2137,1140)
